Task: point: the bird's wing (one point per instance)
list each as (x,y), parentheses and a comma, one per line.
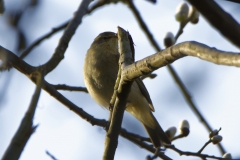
(144,92)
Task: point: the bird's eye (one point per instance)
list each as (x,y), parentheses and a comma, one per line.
(105,38)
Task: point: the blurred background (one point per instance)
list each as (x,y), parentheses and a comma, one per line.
(214,88)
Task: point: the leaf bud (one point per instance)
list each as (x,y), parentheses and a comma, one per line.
(170,132)
(216,139)
(181,14)
(227,156)
(169,39)
(184,128)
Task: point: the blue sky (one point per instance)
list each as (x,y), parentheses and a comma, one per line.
(215,88)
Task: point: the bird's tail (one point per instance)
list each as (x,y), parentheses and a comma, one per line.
(156,134)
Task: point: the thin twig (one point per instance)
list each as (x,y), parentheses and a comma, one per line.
(37,42)
(188,98)
(181,27)
(143,25)
(136,139)
(151,76)
(98,4)
(193,106)
(136,136)
(51,156)
(70,88)
(203,156)
(155,155)
(204,146)
(185,92)
(177,137)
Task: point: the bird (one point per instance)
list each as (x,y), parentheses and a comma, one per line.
(100,73)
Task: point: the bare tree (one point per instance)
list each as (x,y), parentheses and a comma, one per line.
(49,74)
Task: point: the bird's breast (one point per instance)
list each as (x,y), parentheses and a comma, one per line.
(100,74)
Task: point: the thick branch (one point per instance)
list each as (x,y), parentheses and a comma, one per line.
(26,127)
(65,39)
(219,19)
(121,97)
(169,55)
(9,59)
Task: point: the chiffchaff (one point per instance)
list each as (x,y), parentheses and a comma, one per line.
(100,74)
